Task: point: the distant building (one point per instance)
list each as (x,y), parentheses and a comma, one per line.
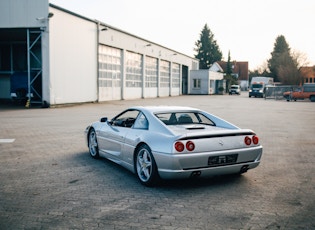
(308,73)
(239,70)
(207,81)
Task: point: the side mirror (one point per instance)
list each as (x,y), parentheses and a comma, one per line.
(103,119)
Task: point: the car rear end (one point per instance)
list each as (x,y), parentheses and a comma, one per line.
(222,152)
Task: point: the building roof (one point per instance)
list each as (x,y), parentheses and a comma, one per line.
(216,68)
(239,68)
(308,71)
(115,28)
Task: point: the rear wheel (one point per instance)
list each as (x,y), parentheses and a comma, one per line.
(145,166)
(312,98)
(93,145)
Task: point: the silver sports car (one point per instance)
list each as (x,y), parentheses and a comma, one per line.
(173,142)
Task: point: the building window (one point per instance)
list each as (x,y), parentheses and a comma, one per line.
(109,60)
(133,70)
(151,72)
(165,73)
(197,83)
(175,75)
(311,80)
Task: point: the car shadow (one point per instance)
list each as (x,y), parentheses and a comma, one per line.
(115,172)
(214,181)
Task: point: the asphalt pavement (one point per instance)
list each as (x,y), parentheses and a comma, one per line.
(49,181)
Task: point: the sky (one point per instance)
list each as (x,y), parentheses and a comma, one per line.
(246,28)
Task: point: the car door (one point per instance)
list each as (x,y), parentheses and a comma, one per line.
(132,138)
(112,137)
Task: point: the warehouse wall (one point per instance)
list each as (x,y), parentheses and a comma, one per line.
(166,58)
(84,60)
(22,14)
(73,58)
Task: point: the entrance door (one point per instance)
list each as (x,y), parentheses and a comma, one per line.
(184,80)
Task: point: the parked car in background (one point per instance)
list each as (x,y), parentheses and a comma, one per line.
(307,91)
(235,89)
(173,142)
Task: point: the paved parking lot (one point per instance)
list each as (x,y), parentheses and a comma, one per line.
(49,181)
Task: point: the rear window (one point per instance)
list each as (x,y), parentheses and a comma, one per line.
(181,118)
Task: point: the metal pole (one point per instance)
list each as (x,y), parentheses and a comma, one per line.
(98,62)
(28,70)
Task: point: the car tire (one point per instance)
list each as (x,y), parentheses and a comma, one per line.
(93,145)
(145,166)
(312,98)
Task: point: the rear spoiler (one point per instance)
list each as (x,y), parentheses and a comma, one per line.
(218,134)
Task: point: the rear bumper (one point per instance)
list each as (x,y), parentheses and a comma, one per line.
(206,172)
(177,166)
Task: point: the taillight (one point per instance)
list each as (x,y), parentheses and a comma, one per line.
(190,146)
(247,140)
(255,140)
(179,146)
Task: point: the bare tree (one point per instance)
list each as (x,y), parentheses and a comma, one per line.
(289,73)
(300,58)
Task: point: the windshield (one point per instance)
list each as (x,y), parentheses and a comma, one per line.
(257,85)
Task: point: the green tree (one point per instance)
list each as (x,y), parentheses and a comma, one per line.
(229,65)
(207,49)
(229,77)
(281,62)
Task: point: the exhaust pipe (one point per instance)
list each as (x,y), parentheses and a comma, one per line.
(195,174)
(244,169)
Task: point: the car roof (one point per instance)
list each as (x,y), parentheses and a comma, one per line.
(164,108)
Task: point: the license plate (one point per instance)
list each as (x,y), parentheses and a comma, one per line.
(222,160)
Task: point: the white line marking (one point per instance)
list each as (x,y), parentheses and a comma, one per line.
(6,140)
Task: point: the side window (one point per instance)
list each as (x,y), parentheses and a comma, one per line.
(126,119)
(141,122)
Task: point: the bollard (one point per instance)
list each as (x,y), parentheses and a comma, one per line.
(27,105)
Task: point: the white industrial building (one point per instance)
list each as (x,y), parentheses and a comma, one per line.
(207,81)
(63,57)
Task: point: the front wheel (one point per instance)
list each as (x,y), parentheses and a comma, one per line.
(145,166)
(93,145)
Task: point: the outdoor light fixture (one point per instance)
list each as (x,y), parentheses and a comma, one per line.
(50,15)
